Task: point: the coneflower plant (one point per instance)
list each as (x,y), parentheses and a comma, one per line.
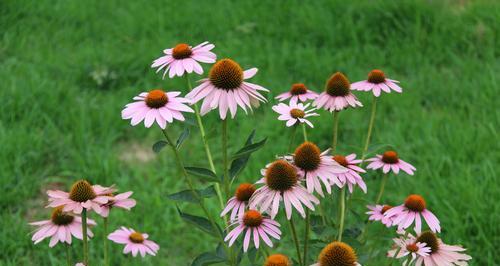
(315,184)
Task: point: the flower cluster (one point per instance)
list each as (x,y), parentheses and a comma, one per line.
(291,185)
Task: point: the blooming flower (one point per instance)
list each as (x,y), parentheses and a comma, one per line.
(281,183)
(121,200)
(60,228)
(252,222)
(377,214)
(351,177)
(294,113)
(315,166)
(438,253)
(82,195)
(184,58)
(337,95)
(239,202)
(390,161)
(414,206)
(408,246)
(376,83)
(298,92)
(157,105)
(134,241)
(277,260)
(226,89)
(337,253)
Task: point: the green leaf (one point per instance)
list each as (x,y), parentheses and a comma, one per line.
(249,149)
(200,222)
(187,195)
(159,145)
(252,255)
(182,137)
(204,173)
(207,258)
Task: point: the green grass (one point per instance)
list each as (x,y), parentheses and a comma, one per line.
(58,123)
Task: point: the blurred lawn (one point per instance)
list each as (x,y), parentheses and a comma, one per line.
(67,68)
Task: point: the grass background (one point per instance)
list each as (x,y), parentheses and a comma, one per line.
(67,68)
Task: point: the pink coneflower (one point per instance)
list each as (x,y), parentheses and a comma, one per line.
(404,215)
(281,182)
(252,222)
(121,200)
(351,177)
(82,195)
(377,214)
(390,161)
(337,253)
(317,167)
(376,83)
(240,200)
(408,246)
(441,253)
(135,242)
(184,58)
(294,113)
(298,92)
(60,228)
(157,105)
(337,95)
(277,260)
(226,89)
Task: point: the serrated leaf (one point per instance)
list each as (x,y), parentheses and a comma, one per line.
(204,173)
(182,137)
(207,258)
(187,195)
(159,145)
(200,222)
(249,149)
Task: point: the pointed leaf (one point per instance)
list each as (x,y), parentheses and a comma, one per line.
(182,137)
(200,222)
(207,258)
(249,149)
(187,195)
(204,173)
(159,145)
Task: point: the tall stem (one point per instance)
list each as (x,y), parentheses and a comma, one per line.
(105,240)
(304,131)
(292,138)
(342,214)
(382,187)
(224,157)
(205,144)
(370,128)
(85,240)
(306,235)
(191,187)
(335,130)
(295,240)
(68,255)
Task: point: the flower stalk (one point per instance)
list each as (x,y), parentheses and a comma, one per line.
(105,241)
(85,237)
(370,128)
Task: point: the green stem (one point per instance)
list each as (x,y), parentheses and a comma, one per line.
(335,130)
(295,240)
(292,138)
(105,240)
(342,213)
(304,131)
(323,214)
(191,187)
(306,235)
(382,187)
(224,158)
(85,240)
(205,145)
(370,128)
(68,255)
